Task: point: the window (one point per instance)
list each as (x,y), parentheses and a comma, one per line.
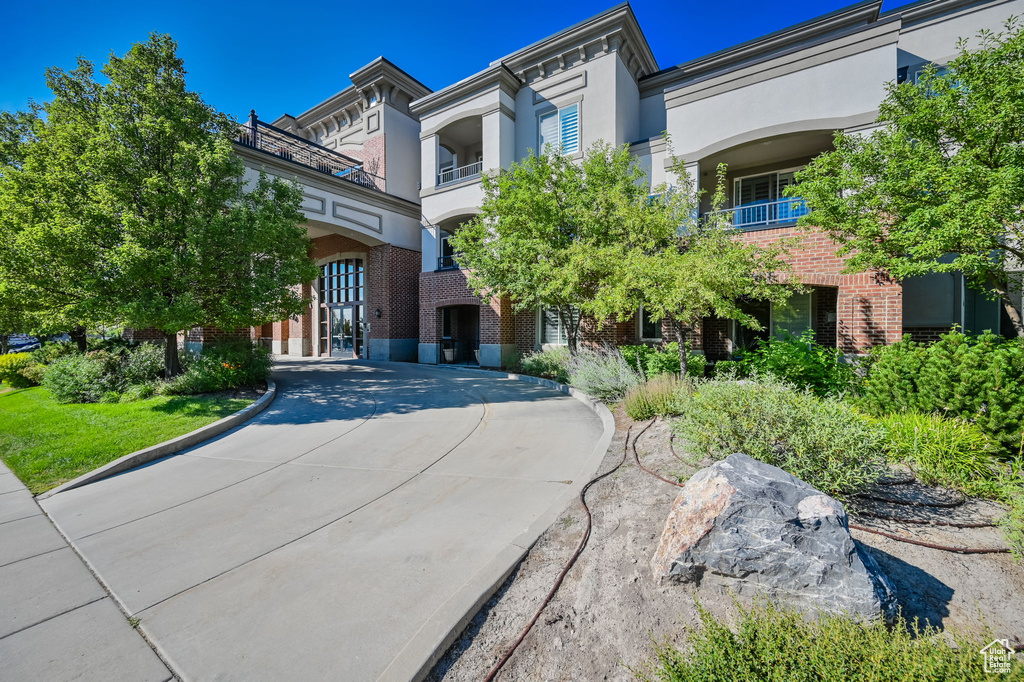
(560,130)
(550,331)
(447,160)
(342,281)
(447,258)
(762,188)
(792,317)
(649,330)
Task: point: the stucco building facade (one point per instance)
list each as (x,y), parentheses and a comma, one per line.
(391,169)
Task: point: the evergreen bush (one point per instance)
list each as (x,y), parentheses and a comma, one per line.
(979,379)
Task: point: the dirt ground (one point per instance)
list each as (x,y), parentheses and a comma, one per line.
(609,611)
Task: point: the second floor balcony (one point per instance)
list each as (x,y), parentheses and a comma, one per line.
(450,175)
(762,214)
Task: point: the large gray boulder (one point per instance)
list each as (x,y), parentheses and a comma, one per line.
(758,530)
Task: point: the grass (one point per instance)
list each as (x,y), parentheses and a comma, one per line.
(46,443)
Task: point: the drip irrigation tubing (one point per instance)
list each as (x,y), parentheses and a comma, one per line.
(672,447)
(926,522)
(945,548)
(572,560)
(636,456)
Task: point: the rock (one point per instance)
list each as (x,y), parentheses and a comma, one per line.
(758,530)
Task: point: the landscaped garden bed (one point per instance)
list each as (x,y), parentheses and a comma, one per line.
(917,441)
(46,443)
(94,407)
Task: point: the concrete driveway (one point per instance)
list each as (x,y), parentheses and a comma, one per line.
(344,532)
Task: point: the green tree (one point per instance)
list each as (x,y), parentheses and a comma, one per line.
(683,268)
(940,186)
(123,203)
(542,226)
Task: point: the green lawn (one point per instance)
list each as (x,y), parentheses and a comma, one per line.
(46,443)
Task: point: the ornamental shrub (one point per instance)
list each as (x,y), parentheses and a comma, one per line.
(772,643)
(51,352)
(143,364)
(823,441)
(949,452)
(223,366)
(802,363)
(652,361)
(979,379)
(83,378)
(13,368)
(602,373)
(548,364)
(655,397)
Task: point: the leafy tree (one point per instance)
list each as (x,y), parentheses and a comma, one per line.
(123,203)
(683,268)
(541,225)
(940,186)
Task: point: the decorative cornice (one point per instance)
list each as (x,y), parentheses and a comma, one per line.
(380,81)
(615,30)
(926,9)
(765,47)
(852,41)
(495,76)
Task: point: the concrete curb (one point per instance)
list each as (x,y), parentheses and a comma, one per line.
(461,607)
(169,447)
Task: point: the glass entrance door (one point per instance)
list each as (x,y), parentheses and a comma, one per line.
(347,331)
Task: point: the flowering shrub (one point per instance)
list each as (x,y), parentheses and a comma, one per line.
(225,365)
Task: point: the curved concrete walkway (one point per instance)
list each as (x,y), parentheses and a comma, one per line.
(344,532)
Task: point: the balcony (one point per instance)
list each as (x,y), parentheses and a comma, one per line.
(462,173)
(282,144)
(764,213)
(447,263)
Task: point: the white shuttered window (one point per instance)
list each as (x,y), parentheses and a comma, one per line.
(560,130)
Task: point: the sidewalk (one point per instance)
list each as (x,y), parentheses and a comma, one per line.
(56,621)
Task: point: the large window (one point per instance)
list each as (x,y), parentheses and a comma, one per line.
(759,189)
(342,281)
(551,331)
(342,313)
(560,130)
(792,317)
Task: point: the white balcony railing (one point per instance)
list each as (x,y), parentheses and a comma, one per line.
(461,173)
(765,213)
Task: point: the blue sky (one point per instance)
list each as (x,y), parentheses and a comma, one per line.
(288,56)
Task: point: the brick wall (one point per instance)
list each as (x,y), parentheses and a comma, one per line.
(869,305)
(926,334)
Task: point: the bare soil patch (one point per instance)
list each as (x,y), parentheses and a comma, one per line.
(602,622)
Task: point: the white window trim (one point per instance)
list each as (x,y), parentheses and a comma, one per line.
(539,331)
(554,109)
(736,181)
